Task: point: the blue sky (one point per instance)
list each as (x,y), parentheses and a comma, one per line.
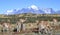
(15,4)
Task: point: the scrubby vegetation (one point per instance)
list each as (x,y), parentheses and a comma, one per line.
(29,17)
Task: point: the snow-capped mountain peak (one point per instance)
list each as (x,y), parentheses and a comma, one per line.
(48,10)
(33,7)
(9,11)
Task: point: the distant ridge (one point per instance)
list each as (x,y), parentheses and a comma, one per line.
(32,9)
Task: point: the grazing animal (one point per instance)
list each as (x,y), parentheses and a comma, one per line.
(6,26)
(44,27)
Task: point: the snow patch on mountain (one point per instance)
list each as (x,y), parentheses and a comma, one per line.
(47,10)
(33,7)
(12,11)
(9,11)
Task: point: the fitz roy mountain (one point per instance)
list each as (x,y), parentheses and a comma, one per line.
(32,9)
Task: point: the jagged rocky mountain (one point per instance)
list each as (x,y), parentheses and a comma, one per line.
(32,9)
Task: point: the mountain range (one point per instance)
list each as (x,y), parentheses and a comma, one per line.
(32,9)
